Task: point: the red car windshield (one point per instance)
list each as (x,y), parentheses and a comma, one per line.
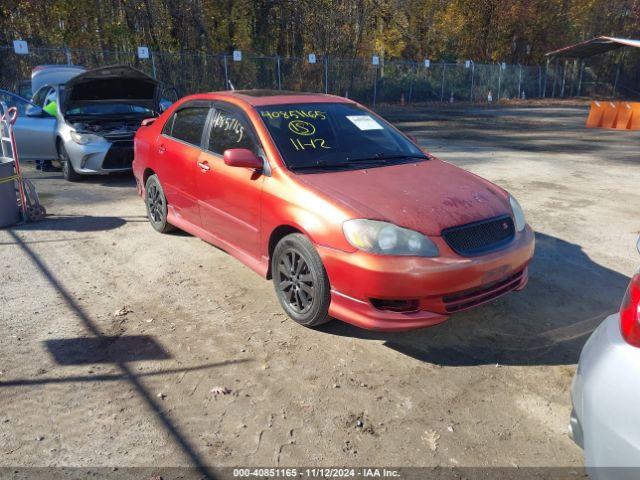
(323,136)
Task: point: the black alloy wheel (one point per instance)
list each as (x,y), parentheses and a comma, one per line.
(300,280)
(157,205)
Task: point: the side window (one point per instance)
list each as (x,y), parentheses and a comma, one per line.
(166,130)
(52,96)
(230,129)
(40,95)
(187,124)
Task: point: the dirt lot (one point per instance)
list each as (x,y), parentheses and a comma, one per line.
(114,338)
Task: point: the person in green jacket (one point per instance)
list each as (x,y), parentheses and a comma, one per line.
(51,108)
(45,165)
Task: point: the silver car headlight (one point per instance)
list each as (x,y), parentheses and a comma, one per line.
(518,214)
(85,138)
(387,239)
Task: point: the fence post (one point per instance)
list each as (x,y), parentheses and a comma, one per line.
(499,81)
(153,65)
(68,55)
(375,85)
(444,69)
(539,81)
(325,62)
(279,78)
(546,75)
(473,73)
(226,73)
(564,78)
(411,84)
(615,83)
(520,82)
(580,78)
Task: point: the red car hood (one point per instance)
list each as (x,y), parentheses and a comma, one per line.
(426,196)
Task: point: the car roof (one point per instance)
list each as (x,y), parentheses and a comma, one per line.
(259,98)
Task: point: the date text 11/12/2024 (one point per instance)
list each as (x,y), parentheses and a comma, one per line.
(316,472)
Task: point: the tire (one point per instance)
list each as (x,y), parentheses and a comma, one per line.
(156,204)
(300,281)
(68,171)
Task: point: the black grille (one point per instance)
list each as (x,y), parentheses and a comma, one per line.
(470,298)
(480,237)
(120,155)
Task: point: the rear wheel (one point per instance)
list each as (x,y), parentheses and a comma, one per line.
(157,205)
(68,171)
(300,280)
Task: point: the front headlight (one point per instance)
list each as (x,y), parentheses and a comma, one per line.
(518,214)
(387,239)
(85,138)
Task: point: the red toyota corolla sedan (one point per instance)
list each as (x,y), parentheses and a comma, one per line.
(349,217)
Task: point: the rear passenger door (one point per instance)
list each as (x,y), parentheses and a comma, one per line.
(177,151)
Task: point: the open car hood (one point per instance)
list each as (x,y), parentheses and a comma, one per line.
(114,84)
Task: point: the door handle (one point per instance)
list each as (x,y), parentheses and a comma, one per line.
(204,166)
(162,149)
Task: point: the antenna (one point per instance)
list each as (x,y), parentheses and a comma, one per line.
(231,87)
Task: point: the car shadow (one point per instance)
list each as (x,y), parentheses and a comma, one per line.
(125,179)
(547,323)
(76,223)
(121,179)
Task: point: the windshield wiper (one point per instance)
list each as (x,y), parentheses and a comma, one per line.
(324,165)
(383,157)
(375,161)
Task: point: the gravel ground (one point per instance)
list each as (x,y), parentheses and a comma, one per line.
(124,347)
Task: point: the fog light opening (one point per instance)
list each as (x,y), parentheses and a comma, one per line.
(402,306)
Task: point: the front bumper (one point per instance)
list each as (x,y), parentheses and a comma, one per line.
(438,286)
(605,395)
(101,158)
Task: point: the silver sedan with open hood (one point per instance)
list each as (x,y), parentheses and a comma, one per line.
(97,114)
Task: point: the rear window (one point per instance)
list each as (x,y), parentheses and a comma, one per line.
(187,125)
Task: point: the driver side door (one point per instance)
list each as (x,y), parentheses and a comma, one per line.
(35,130)
(230,197)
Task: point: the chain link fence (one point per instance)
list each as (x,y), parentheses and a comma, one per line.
(389,82)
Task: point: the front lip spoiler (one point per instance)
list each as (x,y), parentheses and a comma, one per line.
(364,315)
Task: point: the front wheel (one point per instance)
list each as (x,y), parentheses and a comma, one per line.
(300,280)
(156,204)
(68,171)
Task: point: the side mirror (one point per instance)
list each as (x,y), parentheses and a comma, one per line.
(638,245)
(33,111)
(164,104)
(147,121)
(241,157)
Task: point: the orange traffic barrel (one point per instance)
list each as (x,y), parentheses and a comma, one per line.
(595,115)
(609,115)
(623,116)
(634,123)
